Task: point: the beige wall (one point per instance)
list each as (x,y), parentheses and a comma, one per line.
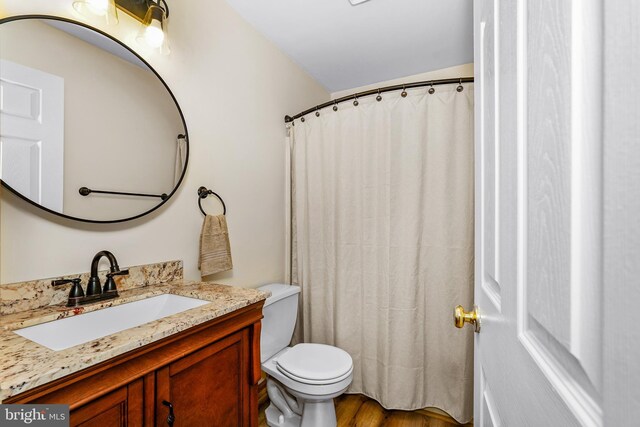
(464,70)
(116,114)
(234,87)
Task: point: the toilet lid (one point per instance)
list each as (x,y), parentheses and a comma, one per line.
(315,363)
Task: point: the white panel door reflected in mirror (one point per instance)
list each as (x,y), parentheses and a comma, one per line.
(82,110)
(32,133)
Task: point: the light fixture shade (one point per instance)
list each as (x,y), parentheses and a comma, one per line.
(104,10)
(154,30)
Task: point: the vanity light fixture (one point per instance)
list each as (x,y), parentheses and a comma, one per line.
(152,15)
(102,9)
(153,29)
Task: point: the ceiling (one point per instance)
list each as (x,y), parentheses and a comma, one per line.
(98,40)
(344,46)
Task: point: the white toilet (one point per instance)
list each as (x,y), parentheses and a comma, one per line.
(302,380)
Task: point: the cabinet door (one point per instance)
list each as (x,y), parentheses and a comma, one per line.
(209,387)
(120,408)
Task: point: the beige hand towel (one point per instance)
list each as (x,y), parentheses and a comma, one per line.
(215,251)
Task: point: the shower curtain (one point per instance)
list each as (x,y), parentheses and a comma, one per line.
(381,242)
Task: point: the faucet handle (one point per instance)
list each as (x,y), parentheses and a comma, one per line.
(76,290)
(110,284)
(60,282)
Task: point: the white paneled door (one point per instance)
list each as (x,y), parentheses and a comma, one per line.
(32,133)
(557,176)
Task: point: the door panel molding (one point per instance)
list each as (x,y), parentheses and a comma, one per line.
(489,411)
(28,100)
(490,155)
(555,189)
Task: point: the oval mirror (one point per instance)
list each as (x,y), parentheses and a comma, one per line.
(88,130)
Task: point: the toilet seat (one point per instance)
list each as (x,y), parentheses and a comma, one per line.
(315,364)
(315,382)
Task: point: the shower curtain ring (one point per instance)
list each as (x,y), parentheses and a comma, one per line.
(460,88)
(355,101)
(335,106)
(317,112)
(379,97)
(404,92)
(431,89)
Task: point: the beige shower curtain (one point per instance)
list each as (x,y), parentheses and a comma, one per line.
(382,242)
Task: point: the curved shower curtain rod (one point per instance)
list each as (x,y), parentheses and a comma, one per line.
(355,96)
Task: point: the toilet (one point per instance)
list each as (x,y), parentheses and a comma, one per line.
(302,380)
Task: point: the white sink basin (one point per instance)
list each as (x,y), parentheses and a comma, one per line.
(71,331)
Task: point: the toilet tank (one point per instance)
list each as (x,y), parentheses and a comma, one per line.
(280,312)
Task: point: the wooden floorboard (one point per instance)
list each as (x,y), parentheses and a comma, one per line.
(370,414)
(356,410)
(348,408)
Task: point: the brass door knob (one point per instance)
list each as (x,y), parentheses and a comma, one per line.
(460,317)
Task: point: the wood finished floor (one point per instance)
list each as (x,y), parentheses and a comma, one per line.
(356,410)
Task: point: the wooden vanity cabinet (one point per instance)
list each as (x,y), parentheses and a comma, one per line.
(122,407)
(206,387)
(209,373)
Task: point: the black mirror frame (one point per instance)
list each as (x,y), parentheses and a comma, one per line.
(184,123)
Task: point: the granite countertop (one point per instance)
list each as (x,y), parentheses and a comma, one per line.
(25,364)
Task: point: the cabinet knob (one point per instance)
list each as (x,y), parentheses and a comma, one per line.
(171,417)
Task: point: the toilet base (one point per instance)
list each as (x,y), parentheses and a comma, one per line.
(275,418)
(316,414)
(298,410)
(320,413)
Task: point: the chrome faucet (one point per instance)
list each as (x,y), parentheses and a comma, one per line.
(94,291)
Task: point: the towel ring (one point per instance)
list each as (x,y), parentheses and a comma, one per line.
(203,192)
